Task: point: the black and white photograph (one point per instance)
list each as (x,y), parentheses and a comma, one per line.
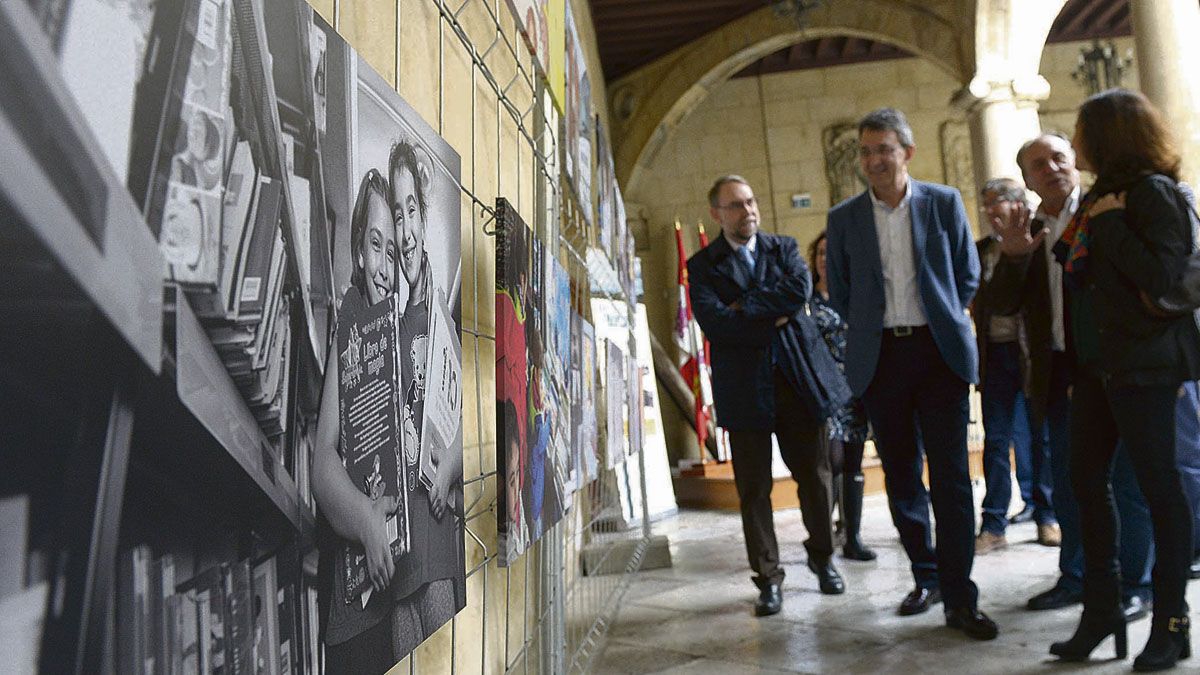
(399,248)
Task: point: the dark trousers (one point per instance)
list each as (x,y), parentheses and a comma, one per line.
(1136,549)
(1001,391)
(1144,417)
(845,457)
(913,389)
(800,446)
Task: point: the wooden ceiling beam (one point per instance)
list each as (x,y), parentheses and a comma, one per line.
(1115,7)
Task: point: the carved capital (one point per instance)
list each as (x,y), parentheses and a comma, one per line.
(1027,90)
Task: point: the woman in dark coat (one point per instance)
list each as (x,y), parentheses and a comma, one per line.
(848,428)
(1128,244)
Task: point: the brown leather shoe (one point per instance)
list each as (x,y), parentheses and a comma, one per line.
(1049,535)
(989,541)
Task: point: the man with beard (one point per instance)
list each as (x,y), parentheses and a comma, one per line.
(746,287)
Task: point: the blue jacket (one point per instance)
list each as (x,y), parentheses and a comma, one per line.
(746,344)
(947,275)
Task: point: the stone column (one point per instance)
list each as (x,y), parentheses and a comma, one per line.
(1167,38)
(1001,117)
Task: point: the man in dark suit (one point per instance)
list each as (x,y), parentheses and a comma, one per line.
(746,287)
(902,270)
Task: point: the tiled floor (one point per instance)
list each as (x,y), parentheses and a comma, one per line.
(697,617)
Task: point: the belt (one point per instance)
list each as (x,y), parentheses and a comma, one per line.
(904,331)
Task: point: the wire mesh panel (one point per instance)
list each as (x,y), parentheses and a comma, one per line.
(463,65)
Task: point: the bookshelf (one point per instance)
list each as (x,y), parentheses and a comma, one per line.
(206,390)
(99,235)
(137,447)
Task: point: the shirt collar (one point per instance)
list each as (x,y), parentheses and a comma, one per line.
(880,204)
(1068,208)
(752,244)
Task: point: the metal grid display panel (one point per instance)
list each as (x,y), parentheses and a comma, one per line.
(542,614)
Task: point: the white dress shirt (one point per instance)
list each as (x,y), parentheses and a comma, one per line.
(752,245)
(893,227)
(1056,226)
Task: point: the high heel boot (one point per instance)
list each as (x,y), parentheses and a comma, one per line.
(852,501)
(1169,642)
(1093,628)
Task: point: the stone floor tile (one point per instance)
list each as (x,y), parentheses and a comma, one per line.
(697,617)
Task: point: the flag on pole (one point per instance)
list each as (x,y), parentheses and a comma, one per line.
(723,451)
(688,338)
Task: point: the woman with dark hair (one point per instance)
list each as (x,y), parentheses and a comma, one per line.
(1128,243)
(848,428)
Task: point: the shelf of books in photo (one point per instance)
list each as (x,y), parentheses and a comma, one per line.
(166,313)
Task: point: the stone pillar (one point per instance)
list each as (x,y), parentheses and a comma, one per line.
(1001,117)
(1167,38)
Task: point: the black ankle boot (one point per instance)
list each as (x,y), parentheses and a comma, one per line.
(852,499)
(1093,628)
(1169,642)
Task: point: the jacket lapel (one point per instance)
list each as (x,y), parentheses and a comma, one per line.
(766,244)
(918,213)
(725,264)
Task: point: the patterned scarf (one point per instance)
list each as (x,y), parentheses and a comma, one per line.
(1076,239)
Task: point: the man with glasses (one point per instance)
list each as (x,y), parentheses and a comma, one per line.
(748,290)
(1003,344)
(902,271)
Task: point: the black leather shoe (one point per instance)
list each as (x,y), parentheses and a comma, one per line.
(1024,516)
(920,600)
(1054,598)
(827,575)
(973,622)
(770,601)
(1134,608)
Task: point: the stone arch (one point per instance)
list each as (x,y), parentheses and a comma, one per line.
(1010,36)
(649,103)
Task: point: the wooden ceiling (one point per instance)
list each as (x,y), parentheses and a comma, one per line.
(830,51)
(632,33)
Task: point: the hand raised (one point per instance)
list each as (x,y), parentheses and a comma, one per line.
(1013,230)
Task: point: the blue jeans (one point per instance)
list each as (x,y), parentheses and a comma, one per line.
(1187,447)
(1004,411)
(1033,494)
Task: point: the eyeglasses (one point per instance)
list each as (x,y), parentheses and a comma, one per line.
(866,152)
(739,206)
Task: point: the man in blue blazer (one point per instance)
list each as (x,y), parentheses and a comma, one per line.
(902,270)
(748,290)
